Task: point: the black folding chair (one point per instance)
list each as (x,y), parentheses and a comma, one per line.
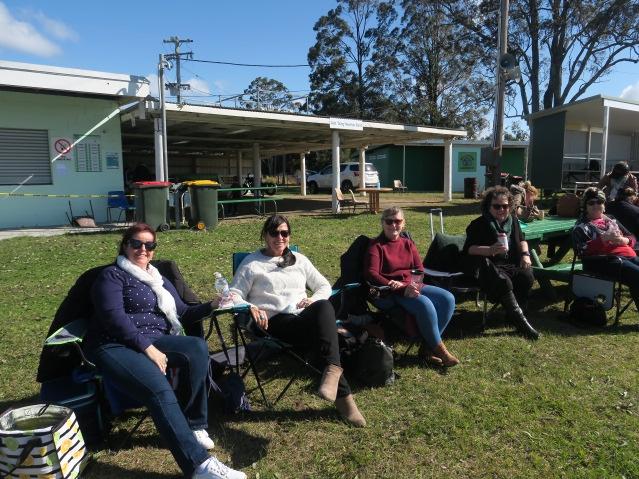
(260,346)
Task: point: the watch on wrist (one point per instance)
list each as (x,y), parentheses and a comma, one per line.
(525,253)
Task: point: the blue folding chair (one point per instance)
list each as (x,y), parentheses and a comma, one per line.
(117,200)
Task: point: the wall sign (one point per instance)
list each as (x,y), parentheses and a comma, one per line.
(112,160)
(346,124)
(467,161)
(61,148)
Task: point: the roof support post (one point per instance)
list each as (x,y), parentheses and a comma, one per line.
(448,168)
(604,141)
(238,165)
(257,165)
(362,167)
(303,173)
(159,148)
(336,175)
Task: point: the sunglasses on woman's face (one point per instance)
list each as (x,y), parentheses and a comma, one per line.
(282,233)
(594,202)
(499,207)
(391,221)
(137,244)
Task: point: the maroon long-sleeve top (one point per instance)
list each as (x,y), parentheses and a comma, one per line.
(391,260)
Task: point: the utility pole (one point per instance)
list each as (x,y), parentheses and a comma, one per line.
(498,123)
(176,56)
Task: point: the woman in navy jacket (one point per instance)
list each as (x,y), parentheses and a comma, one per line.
(136,334)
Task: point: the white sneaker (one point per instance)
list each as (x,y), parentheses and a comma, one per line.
(214,469)
(203,439)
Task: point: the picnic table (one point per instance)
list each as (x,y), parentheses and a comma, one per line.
(553,229)
(373,197)
(258,198)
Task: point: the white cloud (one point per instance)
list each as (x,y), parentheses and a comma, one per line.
(631,92)
(53,27)
(199,87)
(23,37)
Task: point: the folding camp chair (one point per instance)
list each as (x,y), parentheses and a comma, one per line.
(68,378)
(604,289)
(442,264)
(259,345)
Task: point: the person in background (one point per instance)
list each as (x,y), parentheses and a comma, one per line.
(625,209)
(136,334)
(614,182)
(389,261)
(499,258)
(273,280)
(604,245)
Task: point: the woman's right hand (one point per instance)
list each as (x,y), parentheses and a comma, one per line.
(411,291)
(158,357)
(497,248)
(260,317)
(395,285)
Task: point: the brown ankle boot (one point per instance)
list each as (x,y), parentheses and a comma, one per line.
(442,353)
(428,356)
(328,386)
(348,410)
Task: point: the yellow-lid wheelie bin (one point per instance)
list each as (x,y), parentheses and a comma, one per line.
(151,200)
(203,195)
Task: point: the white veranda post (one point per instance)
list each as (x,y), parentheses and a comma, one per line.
(336,172)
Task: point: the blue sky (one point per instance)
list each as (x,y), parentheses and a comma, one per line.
(126,37)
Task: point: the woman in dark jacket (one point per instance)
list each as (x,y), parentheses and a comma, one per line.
(136,333)
(499,258)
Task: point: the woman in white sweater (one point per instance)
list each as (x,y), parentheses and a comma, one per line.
(274,281)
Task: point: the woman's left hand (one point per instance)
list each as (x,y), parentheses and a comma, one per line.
(411,291)
(304,303)
(525,262)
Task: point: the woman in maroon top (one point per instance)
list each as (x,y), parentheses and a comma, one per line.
(389,261)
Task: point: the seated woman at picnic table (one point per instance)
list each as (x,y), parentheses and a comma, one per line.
(389,262)
(136,333)
(498,256)
(273,280)
(614,182)
(604,245)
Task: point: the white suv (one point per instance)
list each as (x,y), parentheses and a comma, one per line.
(349,176)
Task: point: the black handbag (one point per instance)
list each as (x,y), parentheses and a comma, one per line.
(586,312)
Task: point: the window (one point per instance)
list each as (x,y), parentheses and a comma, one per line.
(87,154)
(24,157)
(327,170)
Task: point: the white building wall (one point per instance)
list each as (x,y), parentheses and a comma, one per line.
(63,117)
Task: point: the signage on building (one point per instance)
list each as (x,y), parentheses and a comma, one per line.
(346,124)
(62,148)
(467,162)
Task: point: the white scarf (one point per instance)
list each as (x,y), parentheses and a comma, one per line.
(153,279)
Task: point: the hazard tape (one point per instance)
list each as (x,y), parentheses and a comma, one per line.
(31,195)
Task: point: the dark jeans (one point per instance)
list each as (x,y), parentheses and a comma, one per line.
(313,329)
(136,374)
(498,279)
(627,271)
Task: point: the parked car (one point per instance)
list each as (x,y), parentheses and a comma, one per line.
(349,177)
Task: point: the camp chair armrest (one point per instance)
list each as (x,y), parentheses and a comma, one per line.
(441,274)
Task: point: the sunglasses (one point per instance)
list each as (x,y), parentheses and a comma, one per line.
(282,233)
(594,202)
(499,207)
(390,221)
(137,244)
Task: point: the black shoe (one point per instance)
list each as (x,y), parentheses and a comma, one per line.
(523,326)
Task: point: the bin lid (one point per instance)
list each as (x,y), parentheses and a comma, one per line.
(201,183)
(151,184)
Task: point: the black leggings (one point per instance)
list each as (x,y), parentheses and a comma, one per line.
(498,280)
(312,329)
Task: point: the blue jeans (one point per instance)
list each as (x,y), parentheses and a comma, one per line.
(432,310)
(141,379)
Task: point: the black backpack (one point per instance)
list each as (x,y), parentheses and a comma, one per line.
(369,360)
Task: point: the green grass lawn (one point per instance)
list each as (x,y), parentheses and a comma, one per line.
(565,406)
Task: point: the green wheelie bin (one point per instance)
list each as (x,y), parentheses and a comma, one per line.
(203,195)
(151,198)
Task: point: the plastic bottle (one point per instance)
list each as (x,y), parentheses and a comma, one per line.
(222,288)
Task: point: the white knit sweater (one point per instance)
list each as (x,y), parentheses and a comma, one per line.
(260,282)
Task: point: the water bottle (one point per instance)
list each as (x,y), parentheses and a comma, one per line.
(222,288)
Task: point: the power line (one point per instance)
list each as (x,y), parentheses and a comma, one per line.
(299,65)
